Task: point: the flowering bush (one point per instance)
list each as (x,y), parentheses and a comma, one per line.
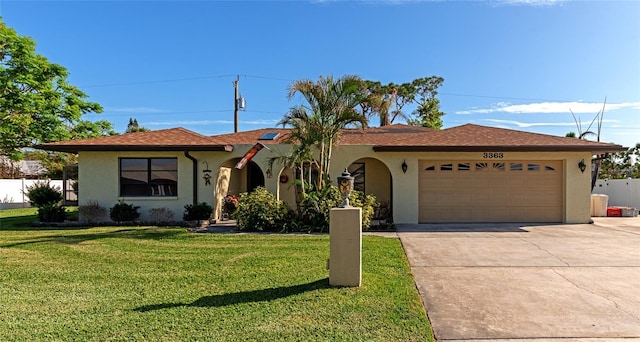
(230,203)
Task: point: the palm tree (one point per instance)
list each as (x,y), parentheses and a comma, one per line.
(330,106)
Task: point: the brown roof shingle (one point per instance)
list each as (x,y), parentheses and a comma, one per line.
(394,138)
(472,137)
(174,139)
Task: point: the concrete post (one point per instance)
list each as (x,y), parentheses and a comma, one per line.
(345,245)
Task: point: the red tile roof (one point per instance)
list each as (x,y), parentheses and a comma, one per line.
(396,138)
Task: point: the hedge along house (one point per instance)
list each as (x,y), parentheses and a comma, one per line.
(468,173)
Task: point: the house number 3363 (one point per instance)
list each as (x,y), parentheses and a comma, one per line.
(493,155)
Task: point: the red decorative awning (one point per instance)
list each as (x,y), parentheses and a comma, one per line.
(249,155)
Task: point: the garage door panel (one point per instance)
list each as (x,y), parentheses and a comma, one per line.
(523,191)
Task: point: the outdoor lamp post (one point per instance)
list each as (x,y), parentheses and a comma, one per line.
(345,185)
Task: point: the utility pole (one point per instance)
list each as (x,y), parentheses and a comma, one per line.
(235,104)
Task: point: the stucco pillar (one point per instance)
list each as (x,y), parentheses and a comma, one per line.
(345,245)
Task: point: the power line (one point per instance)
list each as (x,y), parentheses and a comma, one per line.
(268,78)
(288,80)
(157,81)
(145,114)
(504,97)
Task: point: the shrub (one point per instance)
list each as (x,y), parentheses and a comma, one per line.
(315,207)
(200,211)
(124,212)
(43,193)
(161,215)
(92,212)
(52,212)
(368,203)
(259,210)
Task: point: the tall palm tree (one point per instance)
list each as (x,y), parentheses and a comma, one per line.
(330,106)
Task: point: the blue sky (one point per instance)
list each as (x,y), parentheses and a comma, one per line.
(519,64)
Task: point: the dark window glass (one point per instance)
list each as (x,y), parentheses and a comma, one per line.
(549,168)
(148,177)
(516,167)
(533,167)
(498,166)
(430,168)
(446,167)
(464,166)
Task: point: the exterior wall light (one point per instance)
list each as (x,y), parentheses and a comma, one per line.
(582,166)
(404,166)
(345,185)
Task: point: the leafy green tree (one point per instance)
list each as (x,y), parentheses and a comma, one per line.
(133,127)
(571,135)
(428,113)
(330,106)
(84,129)
(37,104)
(377,100)
(55,162)
(622,164)
(388,101)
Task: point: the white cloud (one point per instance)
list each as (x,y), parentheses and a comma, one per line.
(135,110)
(188,122)
(551,107)
(538,124)
(207,122)
(537,3)
(260,122)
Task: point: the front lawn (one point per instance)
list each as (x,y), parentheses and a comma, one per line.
(149,283)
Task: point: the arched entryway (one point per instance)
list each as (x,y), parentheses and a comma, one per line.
(373,177)
(231,181)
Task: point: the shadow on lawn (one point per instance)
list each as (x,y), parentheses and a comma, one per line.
(226,299)
(140,233)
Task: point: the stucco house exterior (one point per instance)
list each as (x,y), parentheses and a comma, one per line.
(468,173)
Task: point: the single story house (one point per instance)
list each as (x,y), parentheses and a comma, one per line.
(468,173)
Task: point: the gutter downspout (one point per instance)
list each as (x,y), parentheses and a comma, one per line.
(195,176)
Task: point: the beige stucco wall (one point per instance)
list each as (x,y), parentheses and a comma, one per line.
(405,190)
(99,177)
(99,172)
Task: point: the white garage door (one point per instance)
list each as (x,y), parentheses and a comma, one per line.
(481,191)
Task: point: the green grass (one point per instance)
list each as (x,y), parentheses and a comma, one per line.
(149,283)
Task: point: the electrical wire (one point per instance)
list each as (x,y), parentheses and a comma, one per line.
(288,80)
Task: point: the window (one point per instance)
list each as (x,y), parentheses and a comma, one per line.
(498,166)
(148,177)
(357,172)
(430,168)
(269,136)
(516,166)
(446,167)
(464,166)
(533,167)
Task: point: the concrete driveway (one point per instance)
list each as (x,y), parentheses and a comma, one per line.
(523,282)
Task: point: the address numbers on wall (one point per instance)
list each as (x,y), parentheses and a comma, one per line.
(493,155)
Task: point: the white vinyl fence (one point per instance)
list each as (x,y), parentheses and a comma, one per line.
(621,192)
(13,192)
